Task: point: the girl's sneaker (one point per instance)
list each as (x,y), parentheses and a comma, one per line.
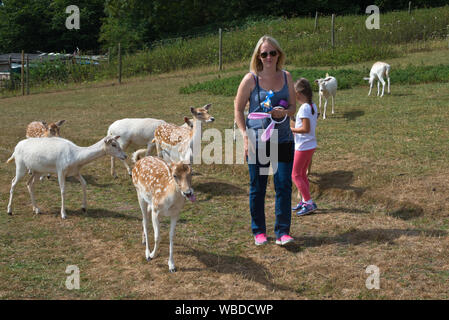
(284,240)
(307,209)
(298,206)
(260,239)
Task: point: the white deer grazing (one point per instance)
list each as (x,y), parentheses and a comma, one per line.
(327,88)
(175,143)
(161,189)
(137,131)
(39,129)
(61,156)
(379,70)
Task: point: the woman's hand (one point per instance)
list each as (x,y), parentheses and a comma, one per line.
(278,113)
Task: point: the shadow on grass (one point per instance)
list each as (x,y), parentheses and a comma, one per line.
(356,237)
(243,266)
(407,213)
(215,188)
(352,115)
(102,214)
(90,180)
(339,180)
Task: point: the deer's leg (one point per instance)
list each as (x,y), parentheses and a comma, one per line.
(332,104)
(156,227)
(378,87)
(325,106)
(383,86)
(30,187)
(145,217)
(113,167)
(370,87)
(19,175)
(143,207)
(61,180)
(388,80)
(83,185)
(319,107)
(171,262)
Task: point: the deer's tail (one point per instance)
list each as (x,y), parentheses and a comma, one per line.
(139,154)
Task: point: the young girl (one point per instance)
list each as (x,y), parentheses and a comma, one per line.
(305,144)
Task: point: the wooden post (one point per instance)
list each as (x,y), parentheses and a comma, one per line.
(447,35)
(316,22)
(119,64)
(409,7)
(109,56)
(333,31)
(22,73)
(28,74)
(220,50)
(10,71)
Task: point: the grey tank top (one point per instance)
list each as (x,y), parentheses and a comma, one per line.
(284,132)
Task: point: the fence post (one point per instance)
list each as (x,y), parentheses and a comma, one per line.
(316,22)
(119,64)
(333,31)
(109,56)
(447,35)
(10,72)
(28,74)
(409,7)
(220,49)
(22,73)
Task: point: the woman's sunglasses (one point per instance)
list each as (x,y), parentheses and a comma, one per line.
(271,53)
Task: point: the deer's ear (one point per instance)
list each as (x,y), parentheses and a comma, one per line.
(60,123)
(192,110)
(316,81)
(44,124)
(116,137)
(207,106)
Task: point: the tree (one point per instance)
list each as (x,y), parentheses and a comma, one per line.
(33,25)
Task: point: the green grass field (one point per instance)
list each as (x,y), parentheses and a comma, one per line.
(379,176)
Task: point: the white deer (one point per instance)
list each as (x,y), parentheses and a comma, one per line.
(39,129)
(61,156)
(175,143)
(327,87)
(161,189)
(379,70)
(139,131)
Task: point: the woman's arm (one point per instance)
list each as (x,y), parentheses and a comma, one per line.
(305,126)
(242,97)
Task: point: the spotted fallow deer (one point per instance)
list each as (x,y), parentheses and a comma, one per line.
(175,143)
(39,129)
(161,189)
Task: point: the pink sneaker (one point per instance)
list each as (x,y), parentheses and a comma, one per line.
(260,239)
(284,240)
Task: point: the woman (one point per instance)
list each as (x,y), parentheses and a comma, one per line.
(266,74)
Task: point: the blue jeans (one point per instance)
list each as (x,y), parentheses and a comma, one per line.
(283,189)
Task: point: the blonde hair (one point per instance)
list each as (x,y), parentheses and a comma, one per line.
(256,64)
